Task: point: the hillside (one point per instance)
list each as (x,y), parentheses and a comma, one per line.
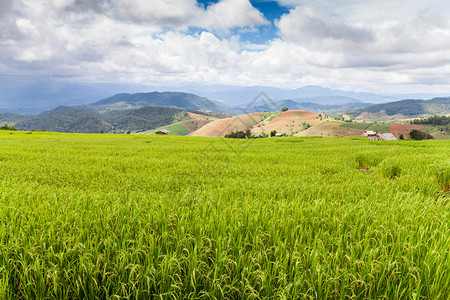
(89,119)
(405,109)
(184,101)
(288,122)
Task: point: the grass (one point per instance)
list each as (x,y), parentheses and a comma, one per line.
(138,217)
(174,129)
(378,127)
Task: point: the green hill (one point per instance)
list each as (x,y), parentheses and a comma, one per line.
(168,99)
(86,119)
(412,108)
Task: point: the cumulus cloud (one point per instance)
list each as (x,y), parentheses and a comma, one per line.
(148,42)
(231,13)
(221,16)
(375,45)
(163,13)
(308,25)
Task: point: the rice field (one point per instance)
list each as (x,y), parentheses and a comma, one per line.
(138,217)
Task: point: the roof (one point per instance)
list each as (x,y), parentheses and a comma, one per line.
(369,132)
(163,131)
(387,137)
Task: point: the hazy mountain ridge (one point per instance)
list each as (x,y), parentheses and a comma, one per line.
(146,111)
(29,97)
(412,107)
(169,99)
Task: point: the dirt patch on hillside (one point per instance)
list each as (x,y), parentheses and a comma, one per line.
(198,116)
(219,128)
(196,124)
(404,128)
(331,129)
(289,122)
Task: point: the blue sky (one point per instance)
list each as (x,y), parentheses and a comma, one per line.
(389,46)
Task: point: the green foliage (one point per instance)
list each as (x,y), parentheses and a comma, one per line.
(239,134)
(401,137)
(86,119)
(378,127)
(389,169)
(367,160)
(284,109)
(442,173)
(434,120)
(150,217)
(7,127)
(419,135)
(272,133)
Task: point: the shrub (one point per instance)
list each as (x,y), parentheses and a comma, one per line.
(272,133)
(6,127)
(419,135)
(401,137)
(236,135)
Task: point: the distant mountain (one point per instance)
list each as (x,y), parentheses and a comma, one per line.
(168,99)
(31,95)
(243,96)
(412,108)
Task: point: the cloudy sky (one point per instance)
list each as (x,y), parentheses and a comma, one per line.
(383,46)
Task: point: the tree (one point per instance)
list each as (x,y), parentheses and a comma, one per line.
(401,137)
(284,109)
(6,127)
(420,135)
(272,133)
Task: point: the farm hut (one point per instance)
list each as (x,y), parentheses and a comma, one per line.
(383,137)
(370,133)
(386,137)
(278,134)
(162,132)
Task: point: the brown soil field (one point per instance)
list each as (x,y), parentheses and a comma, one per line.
(289,122)
(196,124)
(220,128)
(404,128)
(330,129)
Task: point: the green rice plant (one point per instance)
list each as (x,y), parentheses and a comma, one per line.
(102,216)
(367,160)
(389,169)
(442,174)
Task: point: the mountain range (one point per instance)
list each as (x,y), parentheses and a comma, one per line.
(186,112)
(28,97)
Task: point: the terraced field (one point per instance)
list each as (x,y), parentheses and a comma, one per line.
(138,217)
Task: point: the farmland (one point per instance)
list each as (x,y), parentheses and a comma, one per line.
(128,216)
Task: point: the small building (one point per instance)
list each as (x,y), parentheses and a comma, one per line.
(370,133)
(383,137)
(162,132)
(278,134)
(387,137)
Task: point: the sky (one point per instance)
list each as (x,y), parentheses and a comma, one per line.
(382,46)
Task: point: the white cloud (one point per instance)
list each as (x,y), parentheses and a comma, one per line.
(307,25)
(221,16)
(147,42)
(231,13)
